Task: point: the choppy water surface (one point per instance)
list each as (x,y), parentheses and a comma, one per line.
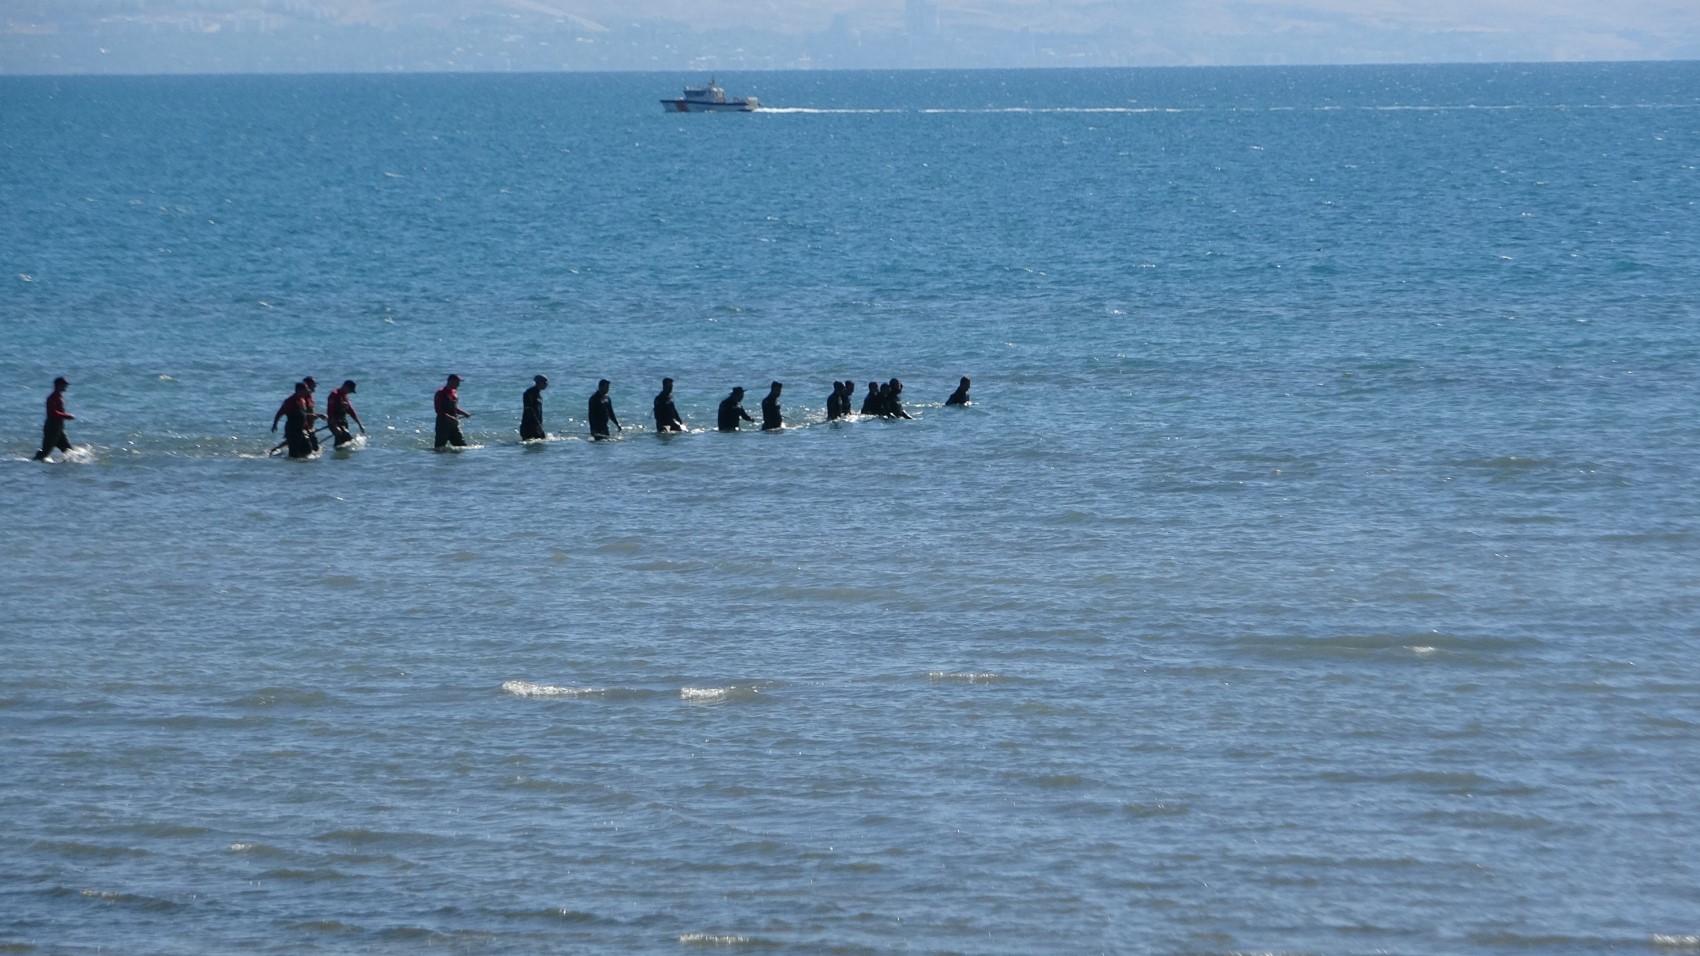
(1315,570)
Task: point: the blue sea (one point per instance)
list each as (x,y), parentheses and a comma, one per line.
(1316,571)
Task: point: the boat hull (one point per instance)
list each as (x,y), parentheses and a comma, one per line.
(691,106)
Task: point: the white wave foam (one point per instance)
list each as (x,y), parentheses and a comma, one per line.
(969,678)
(712,939)
(520,688)
(811,109)
(78,455)
(1676,941)
(705,693)
(1060,109)
(1390,107)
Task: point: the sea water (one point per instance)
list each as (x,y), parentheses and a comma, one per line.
(1317,569)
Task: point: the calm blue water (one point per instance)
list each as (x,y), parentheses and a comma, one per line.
(1315,572)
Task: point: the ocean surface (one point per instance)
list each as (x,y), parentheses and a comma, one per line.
(1317,569)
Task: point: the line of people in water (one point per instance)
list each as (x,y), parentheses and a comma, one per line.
(884,399)
(299,412)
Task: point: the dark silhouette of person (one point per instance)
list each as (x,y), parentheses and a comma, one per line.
(449,414)
(666,413)
(312,411)
(871,403)
(602,412)
(531,416)
(300,405)
(283,406)
(770,417)
(960,396)
(297,420)
(835,402)
(732,409)
(338,410)
(892,396)
(882,400)
(53,429)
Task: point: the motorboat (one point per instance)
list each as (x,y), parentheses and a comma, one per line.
(710,98)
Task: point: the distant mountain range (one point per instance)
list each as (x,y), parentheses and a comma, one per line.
(200,36)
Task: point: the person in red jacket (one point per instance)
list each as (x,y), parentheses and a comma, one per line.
(312,412)
(449,414)
(298,416)
(338,410)
(298,422)
(53,430)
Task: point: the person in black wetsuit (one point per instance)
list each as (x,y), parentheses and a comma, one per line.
(771,421)
(835,402)
(960,396)
(892,395)
(531,418)
(871,403)
(666,413)
(732,409)
(602,412)
(297,419)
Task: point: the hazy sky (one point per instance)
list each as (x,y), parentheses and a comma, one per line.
(70,36)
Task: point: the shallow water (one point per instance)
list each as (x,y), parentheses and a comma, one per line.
(1313,573)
